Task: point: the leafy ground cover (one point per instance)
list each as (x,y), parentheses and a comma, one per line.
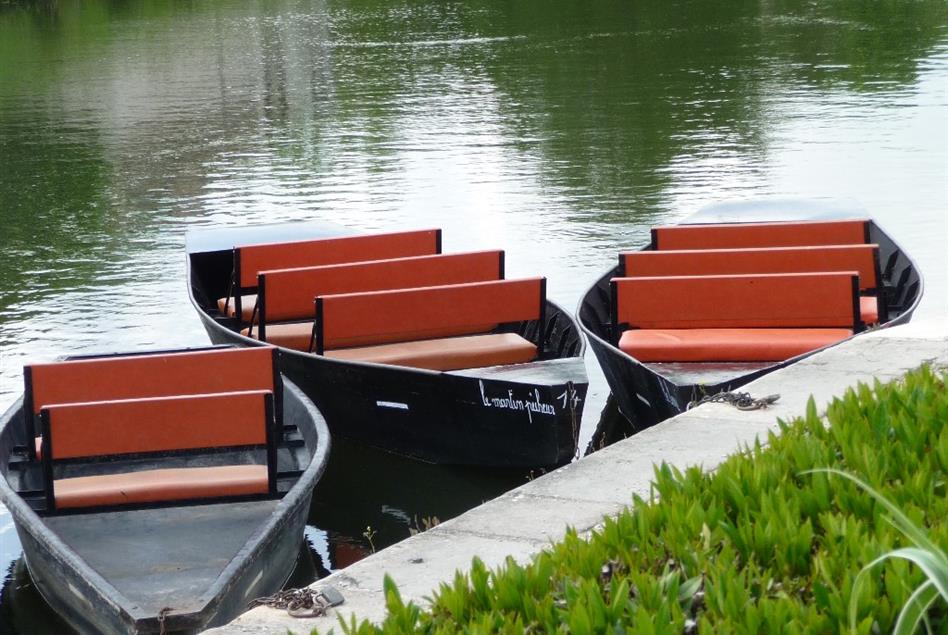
(761,545)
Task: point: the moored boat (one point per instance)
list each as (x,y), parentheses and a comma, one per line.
(738,290)
(433,356)
(160,492)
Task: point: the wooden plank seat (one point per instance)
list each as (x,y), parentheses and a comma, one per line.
(151,374)
(869,311)
(248,304)
(863,259)
(158,427)
(775,234)
(288,294)
(250,260)
(725,345)
(162,485)
(455,320)
(751,317)
(447,353)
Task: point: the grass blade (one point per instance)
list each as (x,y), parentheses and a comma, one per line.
(915,608)
(935,568)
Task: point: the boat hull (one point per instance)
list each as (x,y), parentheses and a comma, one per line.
(61,564)
(646,394)
(90,609)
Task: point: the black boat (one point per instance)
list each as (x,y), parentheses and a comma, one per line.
(160,492)
(647,392)
(511,414)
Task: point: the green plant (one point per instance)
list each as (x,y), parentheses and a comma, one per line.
(756,546)
(926,555)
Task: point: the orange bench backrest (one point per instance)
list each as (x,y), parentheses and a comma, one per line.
(250,260)
(378,317)
(155,424)
(864,259)
(150,375)
(737,235)
(823,299)
(288,294)
(136,376)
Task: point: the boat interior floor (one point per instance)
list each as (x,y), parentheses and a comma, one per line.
(163,557)
(708,373)
(553,371)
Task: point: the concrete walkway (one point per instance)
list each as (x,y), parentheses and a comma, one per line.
(525,520)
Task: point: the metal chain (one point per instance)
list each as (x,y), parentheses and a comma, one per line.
(740,400)
(304,602)
(161,619)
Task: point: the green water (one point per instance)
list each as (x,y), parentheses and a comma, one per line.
(557,130)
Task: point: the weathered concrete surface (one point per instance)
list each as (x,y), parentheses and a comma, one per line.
(579,495)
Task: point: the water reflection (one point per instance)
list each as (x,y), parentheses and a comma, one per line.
(366,491)
(556,130)
(22,607)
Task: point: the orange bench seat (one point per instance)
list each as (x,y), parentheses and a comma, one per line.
(247,305)
(449,353)
(154,486)
(155,426)
(727,344)
(294,335)
(869,309)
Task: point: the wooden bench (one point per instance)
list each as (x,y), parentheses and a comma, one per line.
(739,318)
(863,259)
(436,328)
(743,235)
(109,431)
(250,260)
(152,374)
(288,294)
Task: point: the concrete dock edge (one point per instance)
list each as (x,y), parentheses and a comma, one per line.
(523,521)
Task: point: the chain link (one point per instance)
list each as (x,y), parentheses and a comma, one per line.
(740,400)
(304,602)
(161,619)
